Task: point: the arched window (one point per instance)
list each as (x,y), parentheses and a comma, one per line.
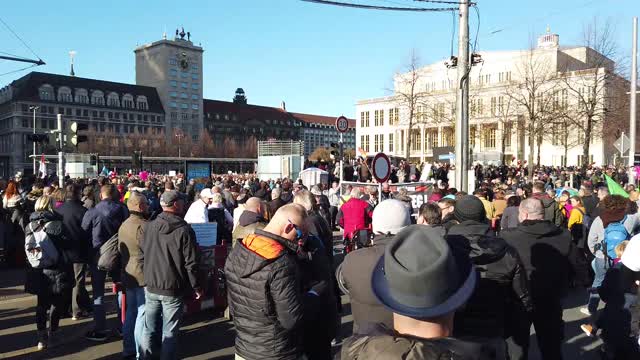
(97,97)
(141,101)
(113,99)
(64,94)
(46,92)
(82,96)
(127,101)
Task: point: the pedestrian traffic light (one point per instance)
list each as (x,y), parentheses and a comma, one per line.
(136,160)
(337,151)
(93,160)
(73,136)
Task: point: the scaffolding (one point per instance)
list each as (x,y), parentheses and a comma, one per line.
(273,148)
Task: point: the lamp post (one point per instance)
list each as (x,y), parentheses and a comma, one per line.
(179,134)
(34,109)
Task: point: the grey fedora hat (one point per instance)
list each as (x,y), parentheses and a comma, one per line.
(420,276)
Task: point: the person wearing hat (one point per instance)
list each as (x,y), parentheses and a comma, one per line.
(130,236)
(389,218)
(503,282)
(422,281)
(170,255)
(322,201)
(198,213)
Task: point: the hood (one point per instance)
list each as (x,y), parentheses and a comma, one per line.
(546,199)
(54,226)
(168,222)
(539,228)
(477,240)
(255,252)
(249,217)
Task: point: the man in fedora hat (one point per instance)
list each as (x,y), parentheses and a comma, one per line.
(423,281)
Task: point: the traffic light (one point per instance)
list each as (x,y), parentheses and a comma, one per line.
(93,160)
(337,151)
(136,160)
(73,136)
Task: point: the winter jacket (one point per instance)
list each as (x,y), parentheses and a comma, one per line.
(197,213)
(503,281)
(590,203)
(57,279)
(273,206)
(72,213)
(103,221)
(544,249)
(170,256)
(356,270)
(248,223)
(551,210)
(354,215)
(381,343)
(265,300)
(509,217)
(130,236)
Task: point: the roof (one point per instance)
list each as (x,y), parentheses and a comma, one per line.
(321,119)
(26,89)
(245,112)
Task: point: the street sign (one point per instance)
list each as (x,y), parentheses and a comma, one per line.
(342,124)
(622,144)
(381,167)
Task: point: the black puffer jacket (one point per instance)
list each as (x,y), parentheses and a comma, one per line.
(57,279)
(264,293)
(503,281)
(381,343)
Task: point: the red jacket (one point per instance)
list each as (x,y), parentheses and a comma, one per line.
(354,215)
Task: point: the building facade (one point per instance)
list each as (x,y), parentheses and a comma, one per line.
(556,86)
(174,68)
(113,111)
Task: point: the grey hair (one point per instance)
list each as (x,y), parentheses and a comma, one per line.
(356,193)
(533,207)
(305,199)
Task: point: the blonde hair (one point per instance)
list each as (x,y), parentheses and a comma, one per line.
(44,203)
(634,195)
(216,198)
(305,199)
(620,248)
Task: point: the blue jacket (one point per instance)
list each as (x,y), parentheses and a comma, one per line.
(103,221)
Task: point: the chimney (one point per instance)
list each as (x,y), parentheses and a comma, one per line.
(283,106)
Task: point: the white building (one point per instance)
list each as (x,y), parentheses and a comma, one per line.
(567,80)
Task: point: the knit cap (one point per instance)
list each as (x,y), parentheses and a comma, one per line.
(469,207)
(390,216)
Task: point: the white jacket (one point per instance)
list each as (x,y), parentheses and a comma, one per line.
(197,213)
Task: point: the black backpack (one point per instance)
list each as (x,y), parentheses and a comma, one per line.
(216,215)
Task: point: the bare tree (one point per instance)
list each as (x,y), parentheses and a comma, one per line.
(589,83)
(535,80)
(506,114)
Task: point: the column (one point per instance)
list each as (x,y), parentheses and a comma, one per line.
(423,148)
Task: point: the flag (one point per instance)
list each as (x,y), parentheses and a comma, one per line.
(105,171)
(43,168)
(614,187)
(362,153)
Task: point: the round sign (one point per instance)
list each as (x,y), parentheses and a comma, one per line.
(381,167)
(342,124)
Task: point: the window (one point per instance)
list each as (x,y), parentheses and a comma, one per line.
(366,143)
(431,138)
(173,72)
(564,101)
(46,92)
(173,61)
(390,142)
(174,116)
(142,102)
(508,128)
(184,106)
(194,97)
(489,137)
(401,145)
(194,86)
(194,107)
(381,120)
(173,93)
(194,76)
(64,94)
(362,119)
(173,104)
(194,67)
(184,75)
(416,139)
(366,119)
(113,99)
(173,83)
(97,97)
(448,137)
(472,135)
(127,101)
(184,85)
(494,104)
(375,119)
(184,116)
(184,95)
(501,104)
(82,96)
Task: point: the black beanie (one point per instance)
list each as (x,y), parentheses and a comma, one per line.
(469,207)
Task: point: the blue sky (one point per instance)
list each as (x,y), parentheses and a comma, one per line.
(317,58)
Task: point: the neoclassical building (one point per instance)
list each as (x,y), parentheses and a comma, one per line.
(565,80)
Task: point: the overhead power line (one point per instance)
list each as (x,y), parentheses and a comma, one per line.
(19,38)
(376,7)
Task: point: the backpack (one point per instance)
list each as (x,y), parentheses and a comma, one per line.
(40,249)
(216,215)
(581,236)
(108,256)
(614,234)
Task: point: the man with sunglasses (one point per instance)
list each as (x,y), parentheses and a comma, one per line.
(264,290)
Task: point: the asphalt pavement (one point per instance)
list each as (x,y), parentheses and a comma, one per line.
(205,335)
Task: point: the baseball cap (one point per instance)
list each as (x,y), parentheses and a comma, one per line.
(169,198)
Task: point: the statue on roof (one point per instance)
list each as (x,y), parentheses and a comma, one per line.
(189,35)
(182,33)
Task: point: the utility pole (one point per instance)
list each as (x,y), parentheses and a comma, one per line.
(632,103)
(34,109)
(60,153)
(462,101)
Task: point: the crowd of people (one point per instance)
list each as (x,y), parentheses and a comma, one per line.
(465,276)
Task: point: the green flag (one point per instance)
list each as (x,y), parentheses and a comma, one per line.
(615,188)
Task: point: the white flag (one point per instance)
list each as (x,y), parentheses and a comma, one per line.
(43,168)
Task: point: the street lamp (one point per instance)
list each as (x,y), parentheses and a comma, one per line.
(34,109)
(179,134)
